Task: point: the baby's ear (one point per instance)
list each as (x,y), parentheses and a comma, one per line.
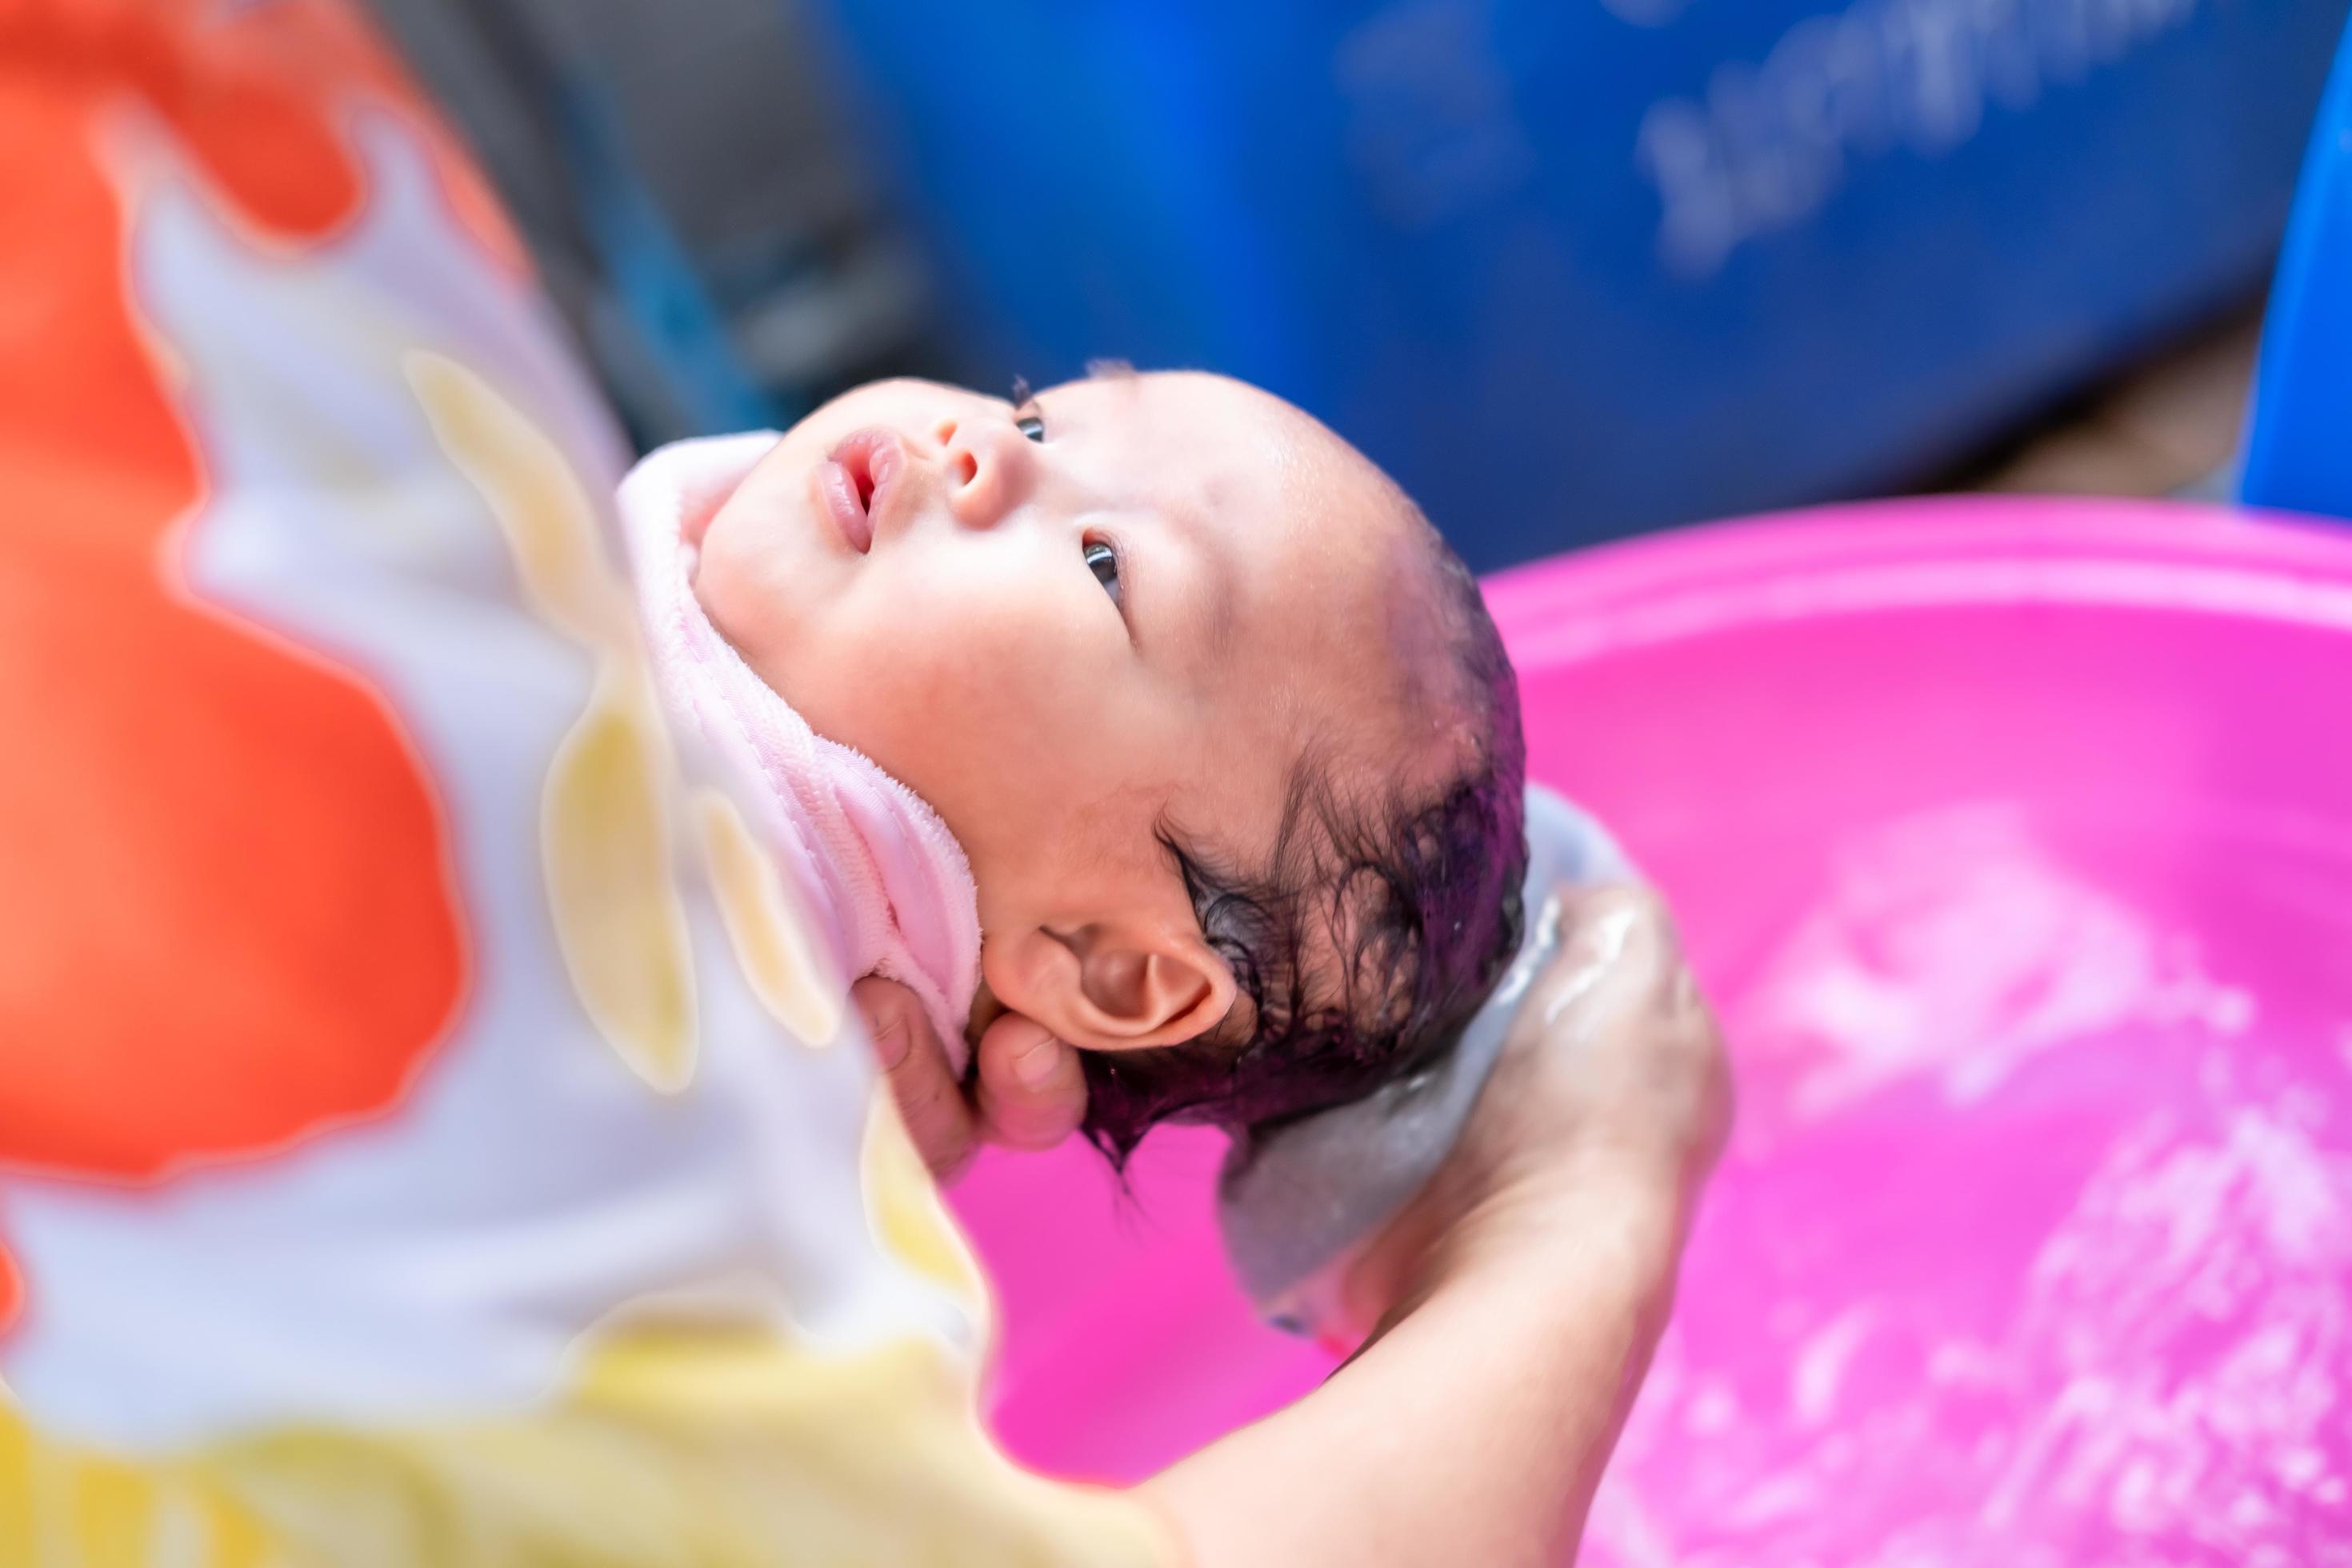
(1117,985)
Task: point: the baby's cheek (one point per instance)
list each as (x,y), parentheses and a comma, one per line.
(894,677)
(976,684)
(981,636)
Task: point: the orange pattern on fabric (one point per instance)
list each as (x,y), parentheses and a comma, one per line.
(225,914)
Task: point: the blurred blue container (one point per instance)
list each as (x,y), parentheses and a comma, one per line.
(2299,439)
(1575,268)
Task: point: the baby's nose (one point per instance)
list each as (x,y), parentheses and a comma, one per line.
(988,465)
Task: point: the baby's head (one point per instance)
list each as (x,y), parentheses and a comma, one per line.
(1220,721)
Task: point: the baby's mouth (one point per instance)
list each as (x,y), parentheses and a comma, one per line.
(855,482)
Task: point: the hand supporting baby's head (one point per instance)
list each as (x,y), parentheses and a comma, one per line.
(1221,724)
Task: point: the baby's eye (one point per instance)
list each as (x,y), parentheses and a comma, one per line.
(1102,560)
(1030,422)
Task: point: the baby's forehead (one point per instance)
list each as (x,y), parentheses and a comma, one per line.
(1270,438)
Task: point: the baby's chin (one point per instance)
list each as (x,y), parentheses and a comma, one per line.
(755,517)
(754,561)
(724,582)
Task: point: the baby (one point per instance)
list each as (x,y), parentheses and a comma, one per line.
(1219,721)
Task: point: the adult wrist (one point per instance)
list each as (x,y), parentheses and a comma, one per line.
(1587,1221)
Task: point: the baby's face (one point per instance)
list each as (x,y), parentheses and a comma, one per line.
(1133,601)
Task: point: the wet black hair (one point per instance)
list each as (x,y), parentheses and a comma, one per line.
(1361,947)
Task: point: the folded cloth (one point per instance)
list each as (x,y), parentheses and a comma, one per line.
(877,874)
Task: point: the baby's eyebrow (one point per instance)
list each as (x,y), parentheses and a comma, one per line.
(1221,619)
(1218,583)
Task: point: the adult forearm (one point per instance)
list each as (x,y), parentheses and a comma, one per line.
(1476,1426)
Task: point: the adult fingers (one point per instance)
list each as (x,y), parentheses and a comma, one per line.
(1033,1093)
(931,1102)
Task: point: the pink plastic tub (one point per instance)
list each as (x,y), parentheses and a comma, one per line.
(2014,839)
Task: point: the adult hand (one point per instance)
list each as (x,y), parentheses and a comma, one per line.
(1614,1078)
(1513,1306)
(1029,1092)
